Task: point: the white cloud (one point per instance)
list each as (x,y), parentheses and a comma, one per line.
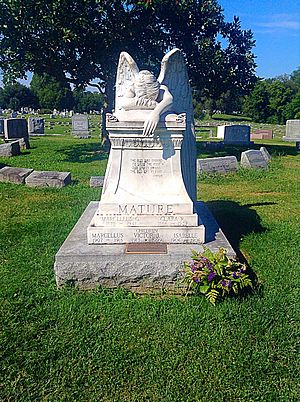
(277,22)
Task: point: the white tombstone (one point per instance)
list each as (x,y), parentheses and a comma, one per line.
(292,131)
(150,182)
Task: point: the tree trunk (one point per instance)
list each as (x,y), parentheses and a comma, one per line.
(107,108)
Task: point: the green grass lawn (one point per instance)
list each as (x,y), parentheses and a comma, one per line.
(103,345)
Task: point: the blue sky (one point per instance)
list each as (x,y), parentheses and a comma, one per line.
(276,28)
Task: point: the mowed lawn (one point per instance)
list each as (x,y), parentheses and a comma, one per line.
(104,345)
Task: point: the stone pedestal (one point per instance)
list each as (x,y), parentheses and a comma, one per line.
(87,266)
(144,197)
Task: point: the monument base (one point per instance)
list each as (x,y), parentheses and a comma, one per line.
(87,266)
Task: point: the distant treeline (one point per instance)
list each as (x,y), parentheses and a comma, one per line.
(272,100)
(46,93)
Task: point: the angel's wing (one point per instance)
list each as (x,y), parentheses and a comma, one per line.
(127,70)
(174,76)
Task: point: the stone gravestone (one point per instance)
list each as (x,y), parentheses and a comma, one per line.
(80,126)
(14,175)
(265,153)
(234,134)
(96,181)
(223,164)
(292,132)
(48,179)
(253,159)
(261,135)
(16,129)
(148,219)
(10,149)
(36,125)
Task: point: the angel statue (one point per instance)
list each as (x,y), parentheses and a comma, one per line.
(142,97)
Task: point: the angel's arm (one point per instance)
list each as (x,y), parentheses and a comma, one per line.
(163,106)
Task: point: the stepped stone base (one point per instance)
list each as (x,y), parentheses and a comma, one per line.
(87,266)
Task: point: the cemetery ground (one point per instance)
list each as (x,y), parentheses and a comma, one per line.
(112,345)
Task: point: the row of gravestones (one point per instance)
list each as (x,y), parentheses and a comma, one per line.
(240,134)
(34,178)
(249,159)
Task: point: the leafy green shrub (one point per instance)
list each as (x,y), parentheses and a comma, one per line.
(215,275)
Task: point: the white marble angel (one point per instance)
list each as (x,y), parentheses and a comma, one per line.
(142,97)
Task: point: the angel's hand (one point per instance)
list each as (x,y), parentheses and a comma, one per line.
(150,124)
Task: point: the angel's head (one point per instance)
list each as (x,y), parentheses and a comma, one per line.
(146,85)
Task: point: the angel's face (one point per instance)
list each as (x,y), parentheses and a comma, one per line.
(146,85)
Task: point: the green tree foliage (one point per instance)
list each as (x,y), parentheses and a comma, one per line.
(86,101)
(80,40)
(15,96)
(51,93)
(275,100)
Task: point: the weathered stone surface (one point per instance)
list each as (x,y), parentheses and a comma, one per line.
(23,142)
(234,134)
(1,126)
(224,164)
(265,153)
(292,130)
(261,135)
(48,179)
(15,128)
(88,266)
(80,126)
(36,125)
(96,181)
(253,159)
(14,174)
(10,149)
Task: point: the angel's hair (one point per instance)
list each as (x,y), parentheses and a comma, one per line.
(146,85)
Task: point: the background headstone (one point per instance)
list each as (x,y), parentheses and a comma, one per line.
(253,159)
(36,125)
(234,134)
(262,135)
(80,126)
(15,128)
(292,130)
(48,179)
(224,164)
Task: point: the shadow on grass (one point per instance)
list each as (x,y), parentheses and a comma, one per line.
(84,153)
(274,150)
(236,220)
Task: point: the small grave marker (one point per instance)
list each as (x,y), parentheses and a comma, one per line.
(10,149)
(265,153)
(14,174)
(253,159)
(96,181)
(48,179)
(223,165)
